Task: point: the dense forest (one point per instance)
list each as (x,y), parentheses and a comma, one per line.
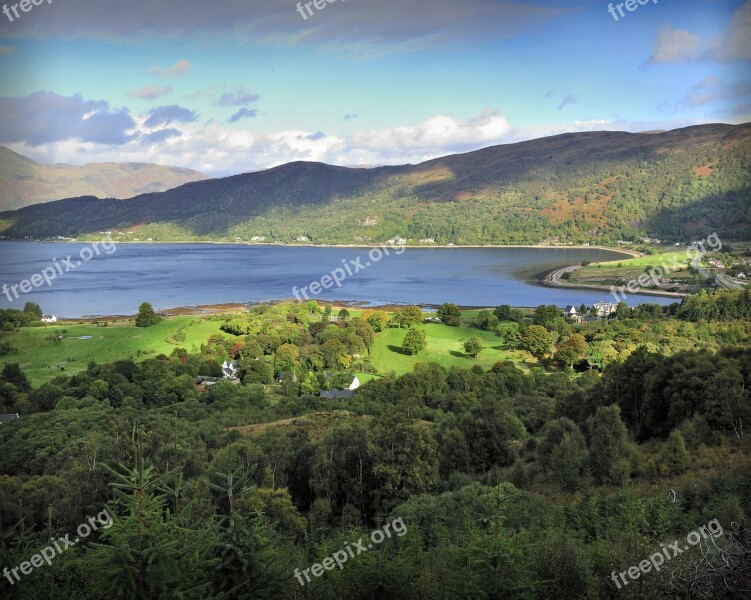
(512,482)
(596,187)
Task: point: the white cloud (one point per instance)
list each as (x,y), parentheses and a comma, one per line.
(219,150)
(681,46)
(151,92)
(179,68)
(736,45)
(676,45)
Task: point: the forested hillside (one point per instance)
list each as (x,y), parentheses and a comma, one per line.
(516,481)
(596,187)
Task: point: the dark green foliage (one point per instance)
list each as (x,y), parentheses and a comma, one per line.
(449,314)
(146,316)
(415,341)
(33,310)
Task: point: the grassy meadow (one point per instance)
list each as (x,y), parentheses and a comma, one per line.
(445,347)
(42,358)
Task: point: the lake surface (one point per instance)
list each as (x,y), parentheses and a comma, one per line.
(173,275)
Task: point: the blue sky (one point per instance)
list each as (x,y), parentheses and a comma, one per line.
(240,85)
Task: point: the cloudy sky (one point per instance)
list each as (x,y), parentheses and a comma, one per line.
(237,85)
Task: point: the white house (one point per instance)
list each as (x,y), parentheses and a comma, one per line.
(49,319)
(605,309)
(229,369)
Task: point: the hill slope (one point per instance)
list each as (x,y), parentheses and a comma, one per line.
(24,182)
(580,187)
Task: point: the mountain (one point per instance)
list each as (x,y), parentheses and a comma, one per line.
(595,187)
(24,182)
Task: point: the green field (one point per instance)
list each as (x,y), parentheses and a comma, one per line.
(41,358)
(445,347)
(606,273)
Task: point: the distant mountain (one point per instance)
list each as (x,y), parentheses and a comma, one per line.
(24,182)
(595,187)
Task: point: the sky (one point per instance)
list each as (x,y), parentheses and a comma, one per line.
(232,86)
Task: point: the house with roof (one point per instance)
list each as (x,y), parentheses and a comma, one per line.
(605,309)
(229,369)
(338,394)
(8,418)
(49,319)
(570,311)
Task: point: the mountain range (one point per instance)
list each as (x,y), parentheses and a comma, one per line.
(591,187)
(24,182)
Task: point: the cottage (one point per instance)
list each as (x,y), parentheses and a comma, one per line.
(229,369)
(570,311)
(49,319)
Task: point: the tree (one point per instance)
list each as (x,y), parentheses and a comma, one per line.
(286,358)
(343,315)
(535,339)
(622,311)
(673,458)
(33,309)
(487,320)
(572,349)
(609,447)
(504,312)
(509,333)
(378,319)
(449,314)
(407,316)
(545,315)
(415,341)
(13,374)
(256,371)
(568,460)
(473,346)
(146,316)
(364,330)
(405,460)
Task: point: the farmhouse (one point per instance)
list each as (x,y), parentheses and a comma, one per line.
(49,319)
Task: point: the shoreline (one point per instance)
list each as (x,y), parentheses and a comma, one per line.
(553,279)
(630,253)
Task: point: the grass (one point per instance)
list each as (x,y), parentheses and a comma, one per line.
(445,347)
(41,358)
(616,271)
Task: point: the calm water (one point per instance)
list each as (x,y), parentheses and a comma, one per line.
(172,275)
